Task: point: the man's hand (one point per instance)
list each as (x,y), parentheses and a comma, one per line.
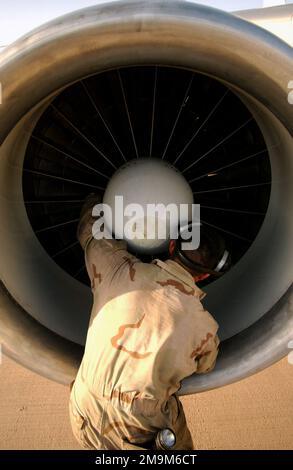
(90,201)
(84,229)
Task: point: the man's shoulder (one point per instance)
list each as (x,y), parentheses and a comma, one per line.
(182,280)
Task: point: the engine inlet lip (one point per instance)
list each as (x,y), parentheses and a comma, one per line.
(128,33)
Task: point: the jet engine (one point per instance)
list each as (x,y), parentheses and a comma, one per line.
(204,90)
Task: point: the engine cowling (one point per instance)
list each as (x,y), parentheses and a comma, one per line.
(44,306)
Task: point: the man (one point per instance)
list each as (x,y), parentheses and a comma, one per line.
(147,332)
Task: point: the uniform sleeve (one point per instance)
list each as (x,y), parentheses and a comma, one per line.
(206,360)
(103,257)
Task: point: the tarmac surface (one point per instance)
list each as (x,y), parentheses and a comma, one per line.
(256,413)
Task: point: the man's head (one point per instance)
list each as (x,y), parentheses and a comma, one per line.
(206,258)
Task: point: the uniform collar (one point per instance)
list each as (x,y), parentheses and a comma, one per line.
(180,272)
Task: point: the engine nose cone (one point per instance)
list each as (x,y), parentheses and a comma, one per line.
(144,184)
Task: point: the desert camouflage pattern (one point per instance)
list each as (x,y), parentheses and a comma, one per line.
(148,331)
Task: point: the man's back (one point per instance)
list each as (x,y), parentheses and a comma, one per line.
(148,331)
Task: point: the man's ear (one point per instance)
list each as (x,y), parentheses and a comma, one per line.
(201,277)
(172,245)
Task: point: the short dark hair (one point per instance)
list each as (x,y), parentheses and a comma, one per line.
(210,250)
